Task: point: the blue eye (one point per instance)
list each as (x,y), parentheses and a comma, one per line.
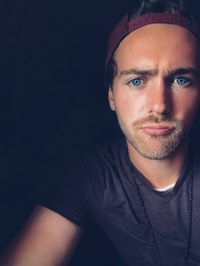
(182,80)
(135,82)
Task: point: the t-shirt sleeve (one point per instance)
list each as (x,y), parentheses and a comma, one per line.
(66,194)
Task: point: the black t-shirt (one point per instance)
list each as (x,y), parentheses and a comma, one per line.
(147,227)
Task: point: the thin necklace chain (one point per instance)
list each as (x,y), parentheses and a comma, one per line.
(190,211)
(148,222)
(190,207)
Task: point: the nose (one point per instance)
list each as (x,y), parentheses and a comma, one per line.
(158,98)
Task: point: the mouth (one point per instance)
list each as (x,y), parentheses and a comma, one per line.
(157,129)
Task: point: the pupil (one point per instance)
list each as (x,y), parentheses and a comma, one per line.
(136,82)
(181,80)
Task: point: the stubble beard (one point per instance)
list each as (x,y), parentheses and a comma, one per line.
(154,147)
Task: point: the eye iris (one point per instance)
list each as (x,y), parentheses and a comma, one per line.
(181,80)
(136,82)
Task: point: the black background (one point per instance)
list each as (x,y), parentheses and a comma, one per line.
(53,102)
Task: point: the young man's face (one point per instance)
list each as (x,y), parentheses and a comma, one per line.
(156,92)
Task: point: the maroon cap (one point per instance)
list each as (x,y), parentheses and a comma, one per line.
(125,27)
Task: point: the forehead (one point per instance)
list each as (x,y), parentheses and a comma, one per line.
(170,44)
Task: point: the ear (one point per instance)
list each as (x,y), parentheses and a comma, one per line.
(111,99)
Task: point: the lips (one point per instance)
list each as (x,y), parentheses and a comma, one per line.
(157,129)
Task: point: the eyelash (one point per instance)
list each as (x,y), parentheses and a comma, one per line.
(129,83)
(187,81)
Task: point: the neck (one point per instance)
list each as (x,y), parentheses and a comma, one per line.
(159,173)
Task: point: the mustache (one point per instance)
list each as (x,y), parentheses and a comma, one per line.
(156,120)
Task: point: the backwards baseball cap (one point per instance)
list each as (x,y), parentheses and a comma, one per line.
(126,26)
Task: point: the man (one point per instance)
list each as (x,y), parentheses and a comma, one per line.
(143,190)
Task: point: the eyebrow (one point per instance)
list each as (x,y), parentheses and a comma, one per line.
(183,71)
(146,72)
(152,72)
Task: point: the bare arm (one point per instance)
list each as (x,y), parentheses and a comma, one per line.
(48,239)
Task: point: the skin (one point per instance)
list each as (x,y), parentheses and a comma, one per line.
(49,239)
(156,95)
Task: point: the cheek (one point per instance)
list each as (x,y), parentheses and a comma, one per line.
(187,107)
(129,105)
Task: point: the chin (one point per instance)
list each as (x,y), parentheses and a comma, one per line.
(155,149)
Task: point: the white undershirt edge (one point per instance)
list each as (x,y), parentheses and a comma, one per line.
(162,189)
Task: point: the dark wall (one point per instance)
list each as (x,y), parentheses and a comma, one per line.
(53,104)
(52,99)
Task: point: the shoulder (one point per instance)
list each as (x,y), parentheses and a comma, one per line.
(104,159)
(80,190)
(92,173)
